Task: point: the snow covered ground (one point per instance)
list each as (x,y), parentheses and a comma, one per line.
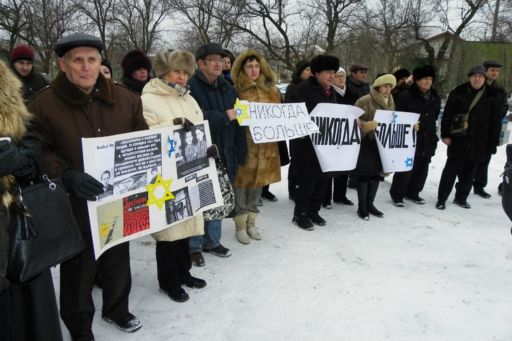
(417,274)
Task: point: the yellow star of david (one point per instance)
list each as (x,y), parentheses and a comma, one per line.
(151,188)
(241,110)
(104,229)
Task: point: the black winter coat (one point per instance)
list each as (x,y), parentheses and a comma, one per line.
(501,99)
(355,90)
(304,162)
(32,84)
(412,100)
(484,123)
(214,100)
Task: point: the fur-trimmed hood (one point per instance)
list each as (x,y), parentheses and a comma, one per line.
(14,117)
(266,81)
(13,113)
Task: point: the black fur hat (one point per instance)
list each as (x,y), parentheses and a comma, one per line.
(423,71)
(324,62)
(135,60)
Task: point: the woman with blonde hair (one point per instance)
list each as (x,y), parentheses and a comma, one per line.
(254,81)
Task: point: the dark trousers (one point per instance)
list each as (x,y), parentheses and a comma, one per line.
(291,184)
(173,263)
(77,277)
(482,169)
(465,169)
(6,324)
(339,192)
(410,183)
(309,195)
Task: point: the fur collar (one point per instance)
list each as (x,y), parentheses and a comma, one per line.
(381,101)
(69,93)
(266,81)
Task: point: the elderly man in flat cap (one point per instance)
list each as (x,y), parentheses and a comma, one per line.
(470,128)
(81,102)
(492,72)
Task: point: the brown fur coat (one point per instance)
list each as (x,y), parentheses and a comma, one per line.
(263,165)
(13,119)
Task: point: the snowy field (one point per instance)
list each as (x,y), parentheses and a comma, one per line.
(417,274)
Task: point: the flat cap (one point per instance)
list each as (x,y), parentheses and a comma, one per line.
(76,40)
(357,67)
(210,48)
(491,63)
(477,70)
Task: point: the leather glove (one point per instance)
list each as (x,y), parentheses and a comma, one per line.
(417,126)
(212,151)
(82,185)
(11,160)
(369,126)
(187,125)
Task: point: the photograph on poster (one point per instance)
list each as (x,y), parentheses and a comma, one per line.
(179,208)
(191,146)
(106,179)
(130,183)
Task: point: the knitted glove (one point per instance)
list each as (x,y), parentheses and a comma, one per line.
(417,126)
(369,126)
(82,185)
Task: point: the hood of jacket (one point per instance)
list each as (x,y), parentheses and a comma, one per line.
(72,95)
(266,81)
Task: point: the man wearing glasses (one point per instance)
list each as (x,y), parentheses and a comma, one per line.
(356,83)
(216,97)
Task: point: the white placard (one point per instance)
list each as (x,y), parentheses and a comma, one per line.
(153,179)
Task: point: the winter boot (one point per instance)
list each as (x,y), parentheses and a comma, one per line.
(373,186)
(241,228)
(362,198)
(252,230)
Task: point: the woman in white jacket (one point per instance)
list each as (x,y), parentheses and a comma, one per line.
(166,102)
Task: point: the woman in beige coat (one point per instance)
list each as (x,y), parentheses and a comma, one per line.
(255,82)
(369,167)
(166,102)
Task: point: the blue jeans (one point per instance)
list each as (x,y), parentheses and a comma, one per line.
(211,238)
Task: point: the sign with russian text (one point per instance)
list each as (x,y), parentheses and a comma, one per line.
(338,140)
(396,139)
(152,180)
(272,122)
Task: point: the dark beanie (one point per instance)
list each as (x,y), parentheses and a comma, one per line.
(107,64)
(423,71)
(22,52)
(477,69)
(324,62)
(135,60)
(401,73)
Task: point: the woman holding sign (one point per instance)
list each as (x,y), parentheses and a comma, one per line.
(166,101)
(254,81)
(369,167)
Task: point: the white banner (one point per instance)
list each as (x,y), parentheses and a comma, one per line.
(152,179)
(272,122)
(338,141)
(396,139)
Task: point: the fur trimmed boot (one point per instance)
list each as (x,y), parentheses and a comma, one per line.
(252,230)
(241,228)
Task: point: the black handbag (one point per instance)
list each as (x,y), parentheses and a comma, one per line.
(43,230)
(228,195)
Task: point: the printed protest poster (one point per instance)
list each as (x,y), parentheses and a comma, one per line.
(396,139)
(151,179)
(338,141)
(272,122)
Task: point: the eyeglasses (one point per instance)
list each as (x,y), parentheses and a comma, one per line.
(215,60)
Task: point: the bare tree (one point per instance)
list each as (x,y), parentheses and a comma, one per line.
(140,22)
(12,20)
(101,13)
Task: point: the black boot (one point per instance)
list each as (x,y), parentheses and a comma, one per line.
(362,198)
(373,187)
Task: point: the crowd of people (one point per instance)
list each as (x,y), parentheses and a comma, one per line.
(45,121)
